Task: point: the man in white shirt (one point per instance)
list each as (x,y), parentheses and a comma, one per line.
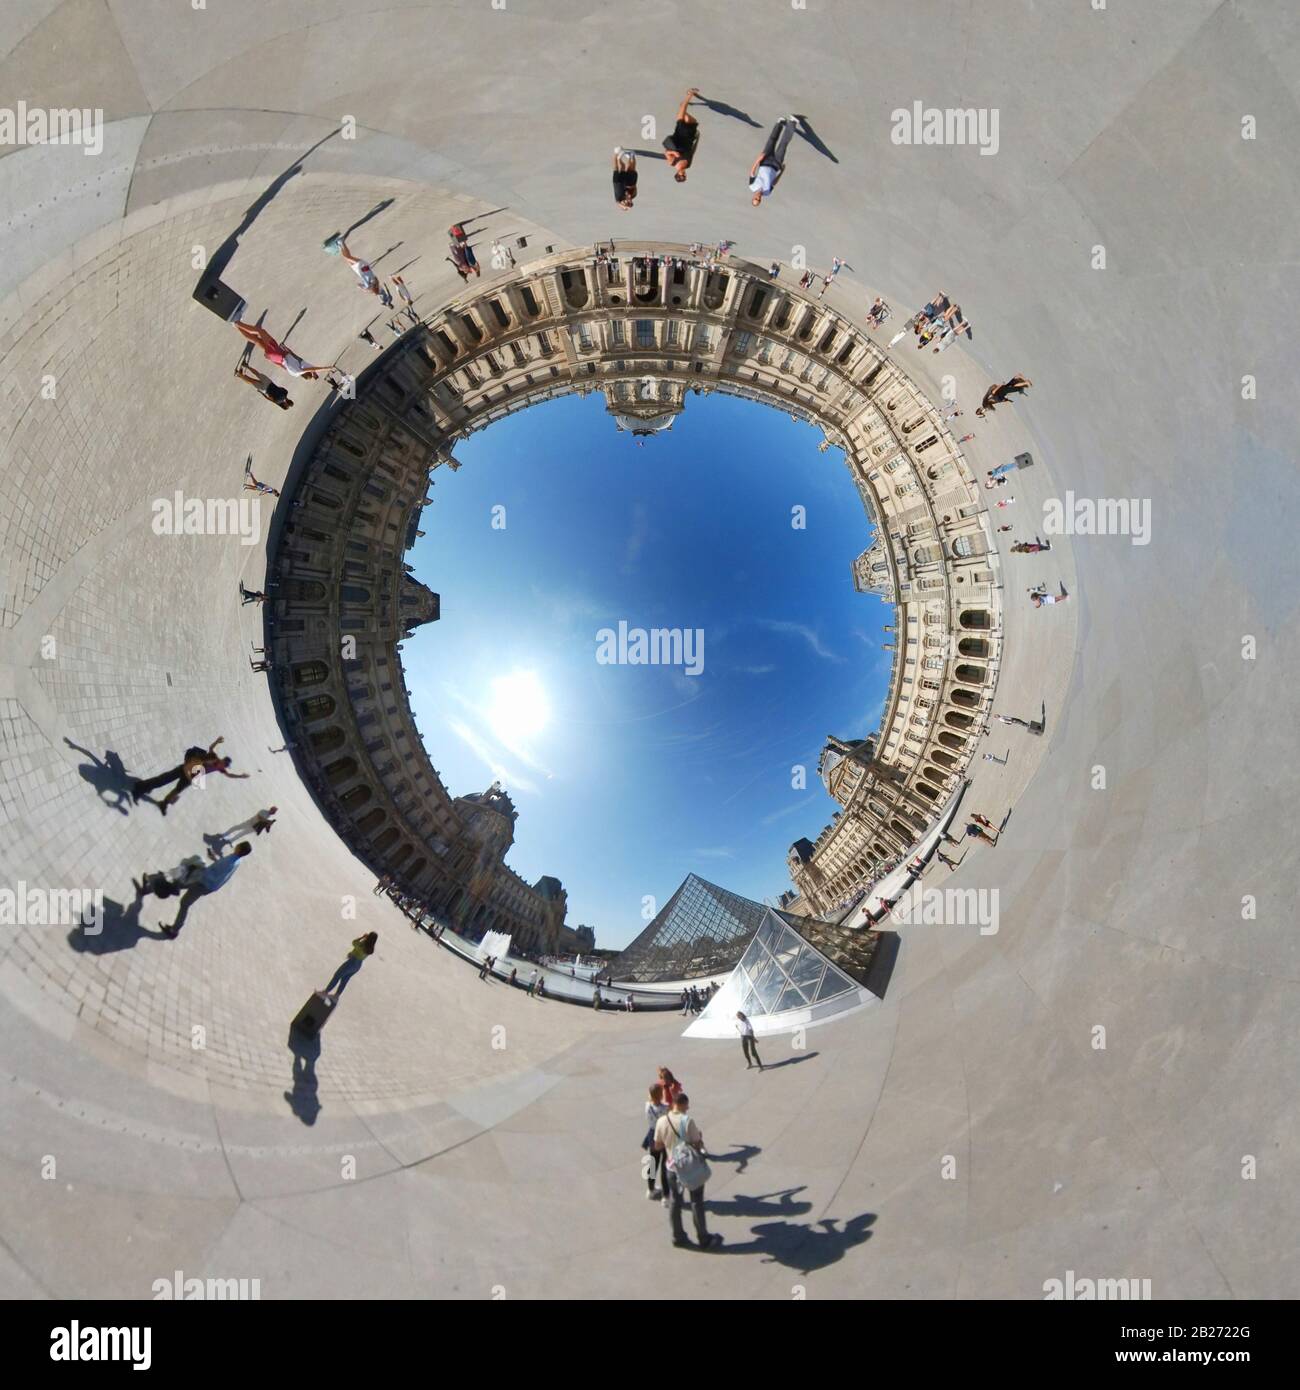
(766,170)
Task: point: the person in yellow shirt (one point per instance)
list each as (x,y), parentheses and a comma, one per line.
(362,947)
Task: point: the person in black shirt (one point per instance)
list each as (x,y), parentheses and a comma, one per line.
(624,177)
(266,388)
(679,147)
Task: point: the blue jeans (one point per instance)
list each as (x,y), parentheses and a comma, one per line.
(1001,469)
(343,974)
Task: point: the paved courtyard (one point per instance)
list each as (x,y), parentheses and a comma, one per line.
(449,1136)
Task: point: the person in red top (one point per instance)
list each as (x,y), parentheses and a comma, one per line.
(671,1086)
(277,353)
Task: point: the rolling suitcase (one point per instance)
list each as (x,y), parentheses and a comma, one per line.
(313,1015)
(216,295)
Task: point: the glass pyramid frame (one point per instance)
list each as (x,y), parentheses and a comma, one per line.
(702,930)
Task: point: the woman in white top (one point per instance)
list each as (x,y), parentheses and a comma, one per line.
(653,1166)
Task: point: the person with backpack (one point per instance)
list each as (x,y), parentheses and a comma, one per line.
(655,1109)
(197,762)
(193,881)
(679,1138)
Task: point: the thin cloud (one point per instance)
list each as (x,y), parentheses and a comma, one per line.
(755,670)
(508,777)
(570,609)
(789,810)
(485,738)
(722,852)
(806,633)
(637,538)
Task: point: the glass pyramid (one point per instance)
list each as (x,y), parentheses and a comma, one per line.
(780,970)
(702,930)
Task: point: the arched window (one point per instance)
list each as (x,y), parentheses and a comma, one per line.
(310,673)
(342,769)
(327,740)
(316,707)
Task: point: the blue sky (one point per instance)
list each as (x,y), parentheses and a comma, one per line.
(627,777)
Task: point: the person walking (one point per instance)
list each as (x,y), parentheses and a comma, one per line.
(408,303)
(362,947)
(532,984)
(259,824)
(264,386)
(248,596)
(678,1137)
(624,178)
(656,1175)
(748,1043)
(878,313)
(997,395)
(251,484)
(279,354)
(1042,599)
(1030,547)
(686,1003)
(370,282)
(483,968)
(680,146)
(197,762)
(765,172)
(596,1000)
(197,882)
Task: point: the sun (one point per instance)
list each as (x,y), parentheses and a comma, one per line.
(518,707)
